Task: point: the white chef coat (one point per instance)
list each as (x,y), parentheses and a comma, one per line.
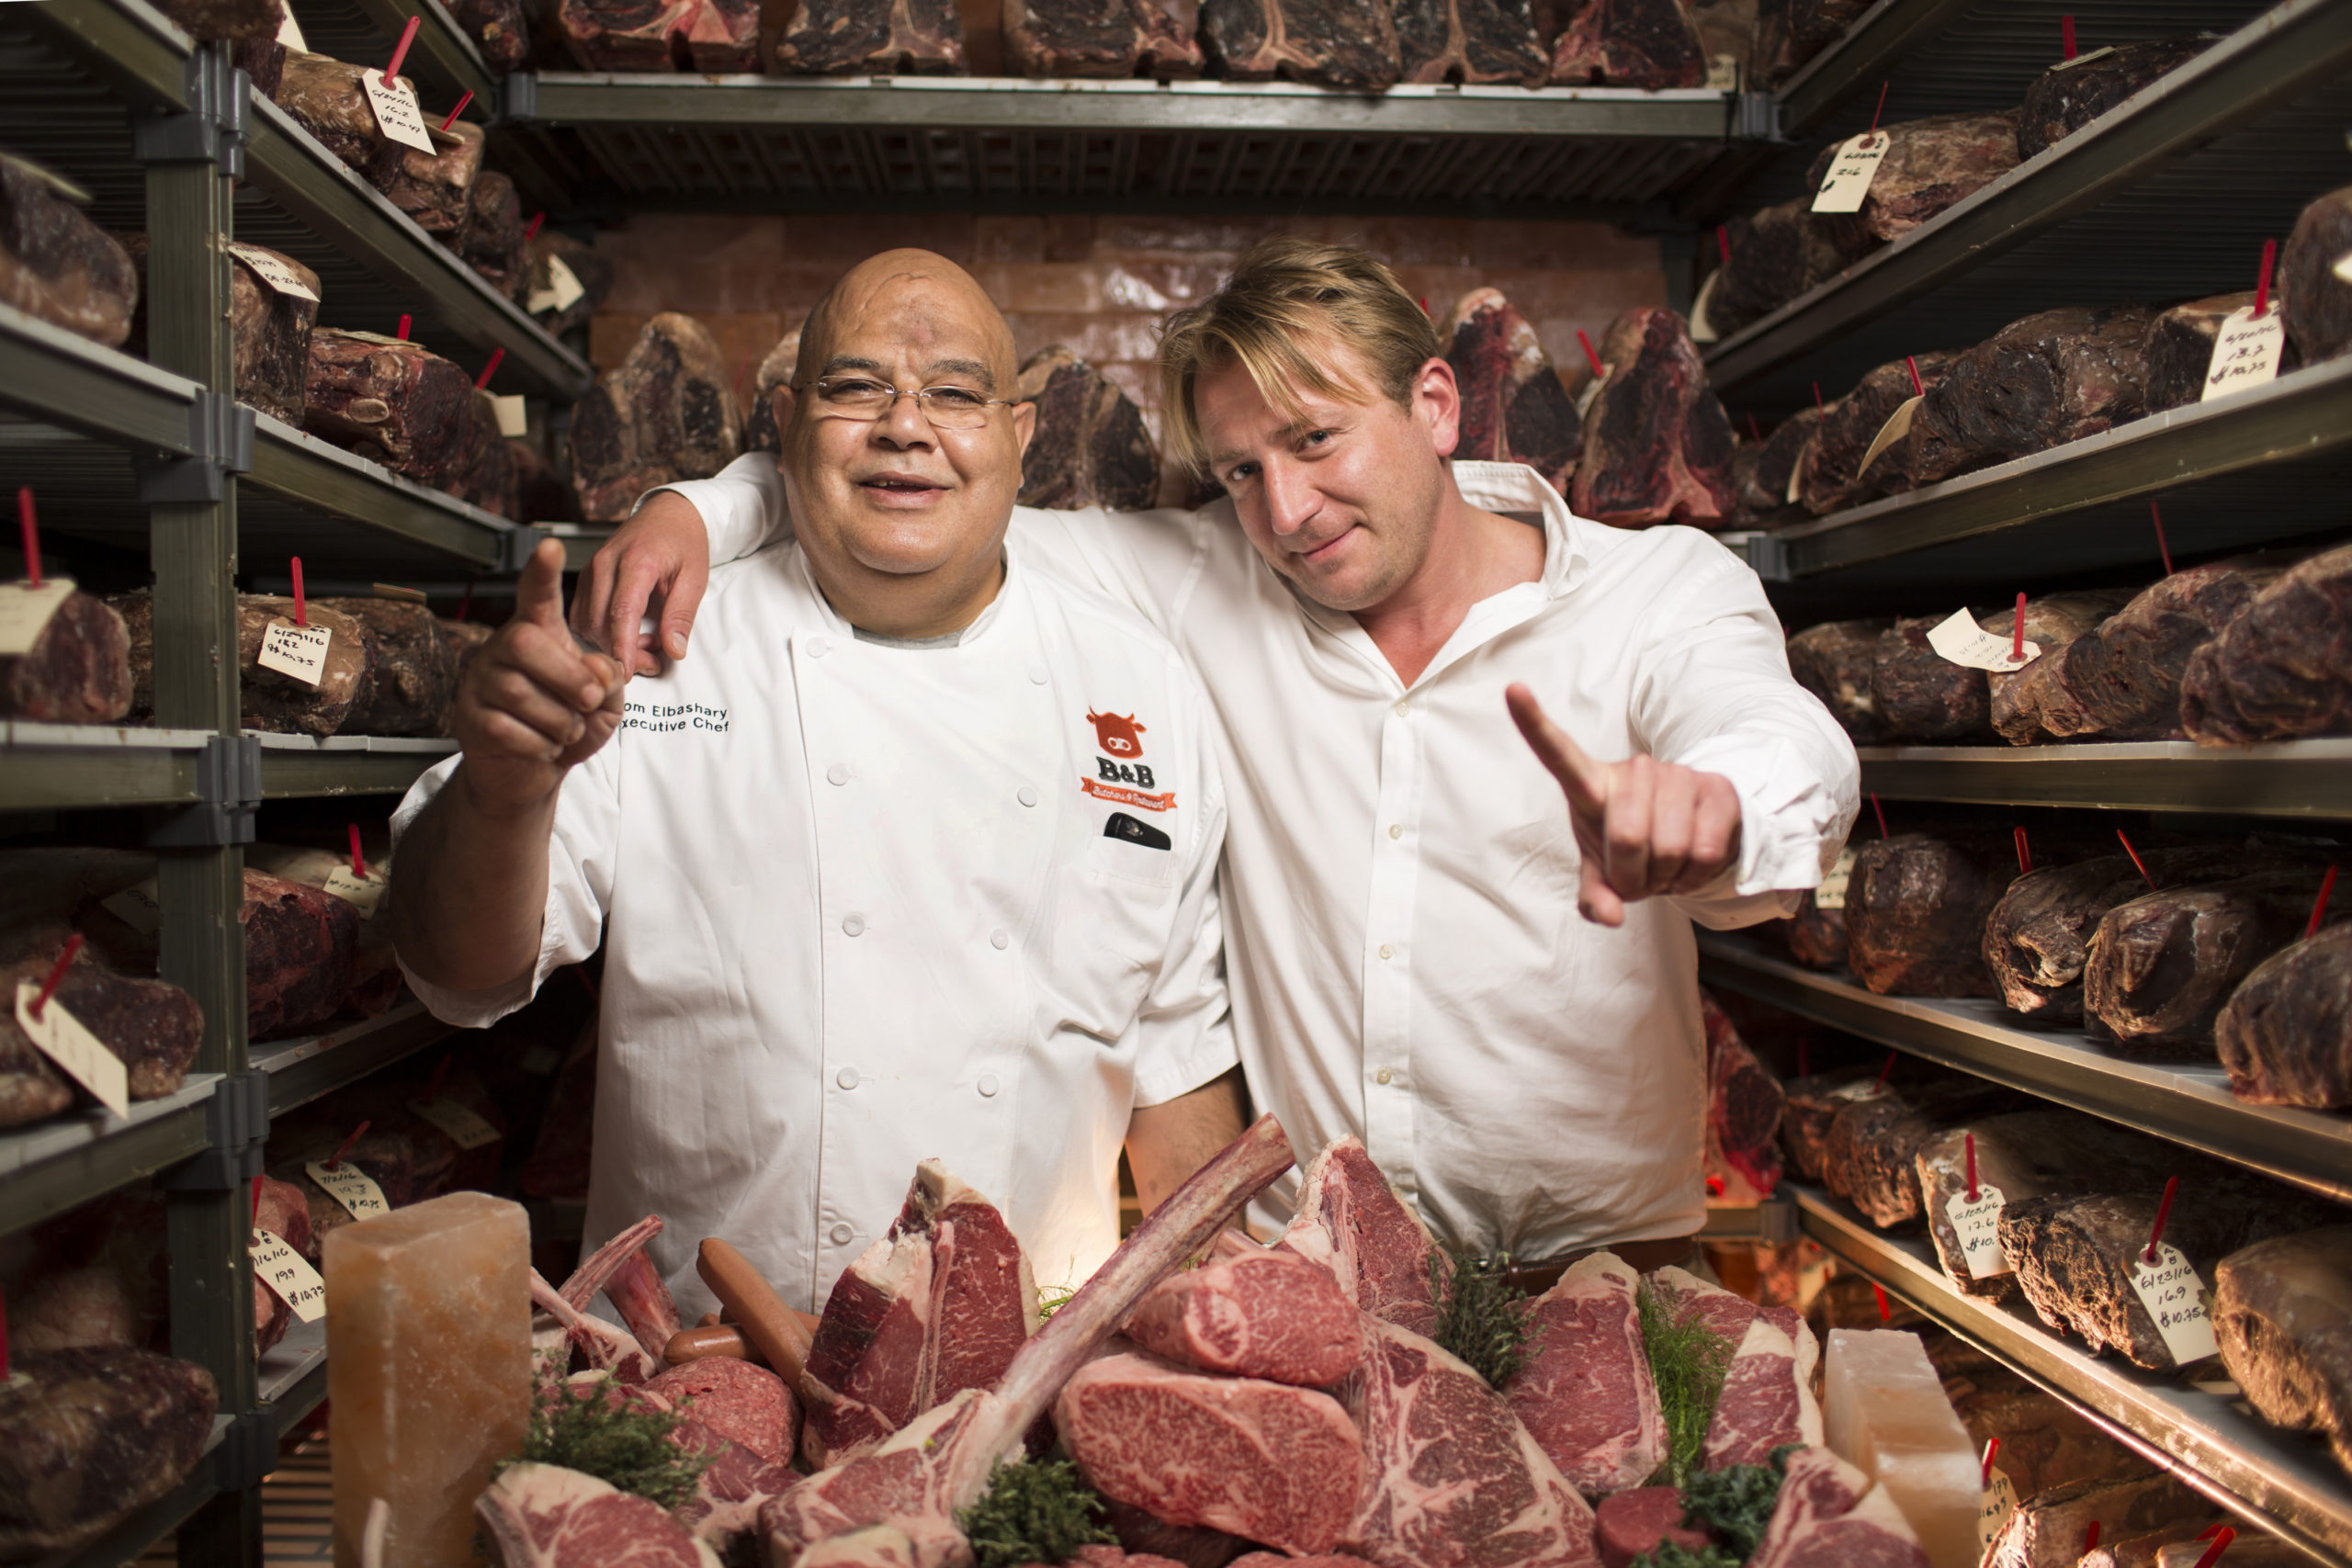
(1400,878)
(864,911)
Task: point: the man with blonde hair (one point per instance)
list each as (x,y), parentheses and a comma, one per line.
(1401,887)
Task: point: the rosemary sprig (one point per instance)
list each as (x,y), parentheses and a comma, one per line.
(1687,1361)
(1478,1313)
(1036,1511)
(613,1440)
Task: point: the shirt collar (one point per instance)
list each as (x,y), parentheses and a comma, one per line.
(1515,488)
(987,618)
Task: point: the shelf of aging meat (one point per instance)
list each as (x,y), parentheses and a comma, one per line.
(450,57)
(2209,1415)
(2284,779)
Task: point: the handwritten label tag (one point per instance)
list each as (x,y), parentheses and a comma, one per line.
(1850,173)
(349,1185)
(2000,1504)
(288,1274)
(25,610)
(1897,426)
(138,908)
(296,651)
(85,1057)
(289,31)
(513,419)
(1979,1227)
(2083,59)
(559,292)
(271,268)
(2342,266)
(1701,329)
(1831,894)
(1961,641)
(2246,352)
(466,1126)
(397,113)
(2175,1297)
(363,893)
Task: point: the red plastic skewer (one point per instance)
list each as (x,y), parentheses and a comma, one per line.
(2135,858)
(458,110)
(481,382)
(2209,1532)
(399,50)
(1879,110)
(1882,814)
(1817,397)
(1918,387)
(346,1147)
(2319,910)
(2221,1539)
(2163,1211)
(256,1221)
(2025,855)
(2066,35)
(1972,1198)
(2163,548)
(358,866)
(1754,429)
(1590,357)
(2090,1536)
(30,531)
(1722,243)
(56,974)
(1992,1447)
(590,982)
(403,333)
(532,233)
(302,606)
(2262,283)
(1885,1313)
(432,1085)
(1886,1069)
(2016,641)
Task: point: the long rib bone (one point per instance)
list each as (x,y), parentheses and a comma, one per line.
(626,1277)
(607,1348)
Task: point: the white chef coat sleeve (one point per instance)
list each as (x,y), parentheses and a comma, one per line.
(742,505)
(1185,1030)
(579,884)
(1713,693)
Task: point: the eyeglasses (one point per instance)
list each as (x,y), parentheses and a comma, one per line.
(860,398)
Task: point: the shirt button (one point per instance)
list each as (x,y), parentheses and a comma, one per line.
(837,774)
(999,938)
(819,647)
(853,924)
(1037,676)
(1028,796)
(1395,830)
(1404,706)
(1383,1076)
(846,1077)
(987,1086)
(842,1232)
(1386,952)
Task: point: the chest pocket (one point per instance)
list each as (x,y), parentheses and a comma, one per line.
(1113,910)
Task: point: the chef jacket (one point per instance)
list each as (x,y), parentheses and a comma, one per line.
(1401,877)
(874,903)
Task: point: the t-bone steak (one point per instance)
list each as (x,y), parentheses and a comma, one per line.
(1515,408)
(1585,1391)
(1339,44)
(1099,38)
(1629,43)
(1351,1223)
(1470,42)
(858,38)
(1090,447)
(1658,446)
(667,413)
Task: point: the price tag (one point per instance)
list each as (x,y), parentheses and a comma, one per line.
(1897,426)
(271,268)
(2246,352)
(364,893)
(61,1037)
(1701,329)
(2175,1297)
(349,1185)
(296,651)
(1961,641)
(289,32)
(25,610)
(466,1126)
(398,114)
(2000,1504)
(2083,59)
(2342,268)
(559,292)
(1979,1227)
(1723,74)
(288,1274)
(1831,894)
(138,908)
(1850,173)
(513,419)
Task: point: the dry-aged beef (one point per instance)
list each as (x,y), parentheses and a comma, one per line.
(2038,937)
(845,38)
(2122,679)
(2051,1525)
(301,945)
(2027,1155)
(1834,662)
(58,265)
(1870,1156)
(273,700)
(1470,40)
(281,1209)
(152,1026)
(2052,623)
(1922,695)
(492,242)
(667,413)
(2282,1312)
(1632,1525)
(2161,966)
(1515,408)
(1829,470)
(376,978)
(270,331)
(713,37)
(78,671)
(497,28)
(329,99)
(389,400)
(1816,936)
(488,475)
(760,433)
(1090,447)
(2282,669)
(1744,1105)
(2318,300)
(1658,444)
(2285,1034)
(1778,253)
(437,188)
(1340,43)
(1629,43)
(1764,484)
(2041,382)
(540,496)
(413,678)
(1930,164)
(1790,32)
(1098,38)
(99,1274)
(2180,349)
(1810,1107)
(205,20)
(1916,906)
(2068,96)
(592,271)
(88,1437)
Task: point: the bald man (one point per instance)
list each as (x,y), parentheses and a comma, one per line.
(920,863)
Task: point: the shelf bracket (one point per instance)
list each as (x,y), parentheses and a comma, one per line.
(1768,557)
(228,794)
(236,1124)
(515,547)
(211,130)
(1755,117)
(247,1452)
(518,98)
(220,443)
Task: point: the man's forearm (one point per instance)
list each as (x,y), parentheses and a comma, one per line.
(1167,1143)
(469,888)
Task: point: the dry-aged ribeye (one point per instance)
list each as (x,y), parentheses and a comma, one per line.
(1470,40)
(414,681)
(2026,1154)
(2068,96)
(2162,965)
(2122,680)
(847,38)
(1098,38)
(2180,349)
(1871,1155)
(1916,906)
(1515,408)
(1929,166)
(2282,1312)
(437,188)
(1090,447)
(667,413)
(1340,43)
(389,400)
(1778,253)
(2038,937)
(1657,445)
(2038,383)
(2318,299)
(2285,1035)
(1629,43)
(1834,662)
(2282,669)
(88,1437)
(152,1026)
(58,265)
(2052,623)
(1586,1392)
(1830,476)
(77,670)
(270,331)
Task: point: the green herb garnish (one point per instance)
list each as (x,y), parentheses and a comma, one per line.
(1669,1555)
(1687,1361)
(1478,1318)
(1052,1299)
(1737,1502)
(1036,1511)
(613,1440)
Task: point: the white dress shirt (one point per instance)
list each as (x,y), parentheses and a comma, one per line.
(1399,885)
(870,904)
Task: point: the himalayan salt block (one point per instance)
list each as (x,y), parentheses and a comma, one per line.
(428,1369)
(1884,1411)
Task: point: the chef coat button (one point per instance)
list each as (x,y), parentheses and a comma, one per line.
(853,924)
(1383,1076)
(1028,796)
(1395,830)
(1037,676)
(1386,952)
(846,1077)
(819,647)
(842,1232)
(1404,706)
(987,1086)
(999,938)
(837,774)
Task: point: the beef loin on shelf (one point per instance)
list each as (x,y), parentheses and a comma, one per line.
(1658,444)
(1790,32)
(2285,1035)
(89,1437)
(492,240)
(57,266)
(2282,1313)
(2053,624)
(77,670)
(1629,43)
(1810,1108)
(269,330)
(853,37)
(1779,252)
(2282,667)
(152,1026)
(1834,660)
(1515,407)
(2040,382)
(1099,38)
(1929,164)
(1765,484)
(1922,695)
(1090,447)
(329,99)
(2180,349)
(1470,42)
(389,400)
(2317,299)
(2162,965)
(273,700)
(2071,95)
(2037,939)
(488,474)
(437,188)
(2025,1154)
(667,413)
(1916,906)
(1340,43)
(301,947)
(1817,937)
(1830,476)
(498,28)
(2122,679)
(1870,1156)
(413,682)
(592,270)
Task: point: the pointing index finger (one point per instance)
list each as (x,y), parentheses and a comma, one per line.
(1586,781)
(538,594)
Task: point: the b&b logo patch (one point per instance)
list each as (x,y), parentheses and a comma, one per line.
(1119,734)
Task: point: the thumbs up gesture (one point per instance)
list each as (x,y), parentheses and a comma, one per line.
(535,701)
(1646,828)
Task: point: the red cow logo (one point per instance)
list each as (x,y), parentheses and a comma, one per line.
(1119,734)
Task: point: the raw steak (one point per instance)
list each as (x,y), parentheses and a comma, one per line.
(437,189)
(1829,1513)
(2283,668)
(414,681)
(1585,1391)
(1515,408)
(1744,1103)
(541,1515)
(1816,936)
(713,37)
(1252,1312)
(760,433)
(2282,1311)
(58,265)
(89,1437)
(1634,1524)
(1690,1298)
(1790,32)
(940,1304)
(2041,382)
(2038,937)
(1098,38)
(2316,300)
(1916,908)
(1834,660)
(301,945)
(1657,443)
(1764,488)
(78,671)
(1764,1402)
(1350,1221)
(2286,1033)
(154,1026)
(2122,681)
(855,37)
(1090,448)
(2068,96)
(271,332)
(1340,43)
(2027,1155)
(729,1495)
(667,413)
(592,272)
(1629,43)
(1453,1479)
(497,28)
(390,401)
(1779,252)
(2180,349)
(1470,40)
(329,99)
(2161,966)
(1184,1546)
(1266,1461)
(281,1210)
(492,242)
(1871,1154)
(1813,1105)
(1829,472)
(1930,164)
